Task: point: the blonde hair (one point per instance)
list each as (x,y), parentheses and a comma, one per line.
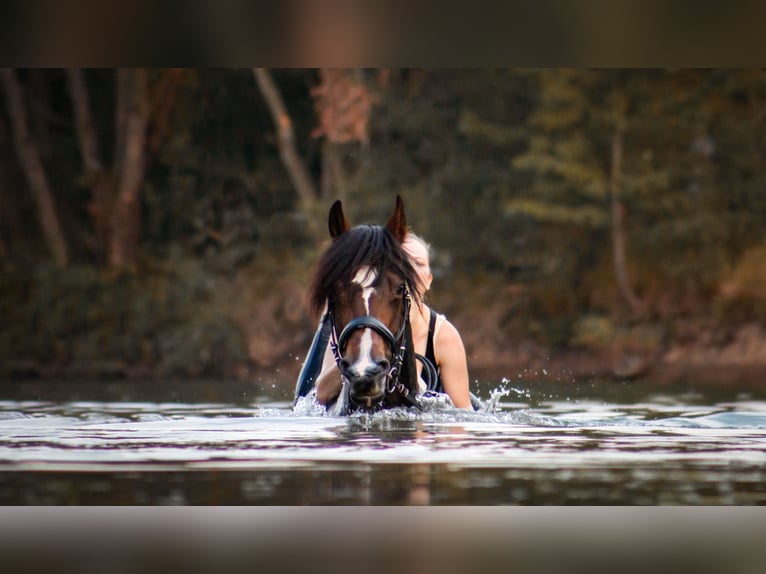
(421,290)
(423,242)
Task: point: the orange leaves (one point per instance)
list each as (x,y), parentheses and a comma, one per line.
(344,105)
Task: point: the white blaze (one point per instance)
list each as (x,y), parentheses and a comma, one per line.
(364,278)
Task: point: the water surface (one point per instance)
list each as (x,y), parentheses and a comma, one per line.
(534,446)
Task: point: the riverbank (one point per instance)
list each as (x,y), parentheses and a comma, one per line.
(709,358)
(180,323)
(737,358)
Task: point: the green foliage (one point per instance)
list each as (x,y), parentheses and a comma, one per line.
(743,288)
(171,322)
(472,126)
(585,216)
(219,185)
(505,172)
(593,331)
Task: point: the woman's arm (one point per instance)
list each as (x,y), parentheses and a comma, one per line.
(328,385)
(453,365)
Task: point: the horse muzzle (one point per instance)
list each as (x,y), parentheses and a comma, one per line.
(366,378)
(368,389)
(367,397)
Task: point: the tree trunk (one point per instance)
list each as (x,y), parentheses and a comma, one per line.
(96,177)
(38,94)
(618,225)
(162,100)
(6,216)
(333,173)
(132,122)
(295,168)
(34,170)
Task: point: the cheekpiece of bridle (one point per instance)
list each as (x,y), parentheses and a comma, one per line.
(397,343)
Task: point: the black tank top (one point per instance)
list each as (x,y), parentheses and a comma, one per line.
(431,354)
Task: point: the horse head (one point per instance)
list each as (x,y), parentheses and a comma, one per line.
(366,280)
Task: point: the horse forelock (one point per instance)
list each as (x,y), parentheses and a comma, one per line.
(370,246)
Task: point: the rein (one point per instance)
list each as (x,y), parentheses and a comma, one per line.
(397,343)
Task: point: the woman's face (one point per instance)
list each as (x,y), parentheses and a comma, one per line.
(419,255)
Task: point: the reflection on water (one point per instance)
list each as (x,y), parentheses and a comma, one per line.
(530,449)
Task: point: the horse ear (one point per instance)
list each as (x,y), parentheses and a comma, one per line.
(397,223)
(337,221)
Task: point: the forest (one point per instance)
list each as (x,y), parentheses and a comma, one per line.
(585,223)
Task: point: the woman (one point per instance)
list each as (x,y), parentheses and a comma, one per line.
(433,336)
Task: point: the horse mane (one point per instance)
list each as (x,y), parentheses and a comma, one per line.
(364,245)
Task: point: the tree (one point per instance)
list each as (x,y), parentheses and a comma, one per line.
(296,169)
(132,122)
(116,190)
(618,219)
(34,171)
(576,157)
(343,103)
(95,176)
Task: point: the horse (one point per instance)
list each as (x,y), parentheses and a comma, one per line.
(363,286)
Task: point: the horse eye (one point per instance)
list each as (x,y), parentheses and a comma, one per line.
(398,294)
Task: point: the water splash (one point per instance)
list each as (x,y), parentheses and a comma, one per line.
(309,406)
(493,404)
(432,401)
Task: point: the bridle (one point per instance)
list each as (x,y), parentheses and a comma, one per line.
(397,343)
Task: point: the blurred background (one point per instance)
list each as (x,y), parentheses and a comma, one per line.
(586,223)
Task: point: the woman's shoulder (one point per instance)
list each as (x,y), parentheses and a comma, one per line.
(445,333)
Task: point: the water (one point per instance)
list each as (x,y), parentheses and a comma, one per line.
(595,445)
